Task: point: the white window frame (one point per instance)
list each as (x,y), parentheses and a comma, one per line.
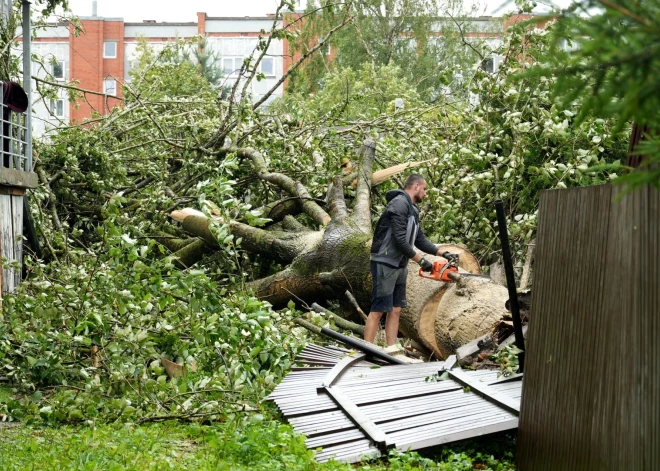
(53,107)
(485,62)
(52,70)
(105,56)
(238,64)
(272,68)
(106,82)
(224,66)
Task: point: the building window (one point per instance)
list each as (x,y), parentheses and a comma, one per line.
(57,70)
(488,65)
(57,108)
(110,49)
(110,86)
(228,66)
(267,66)
(232,65)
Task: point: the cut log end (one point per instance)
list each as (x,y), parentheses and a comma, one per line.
(468,310)
(444,316)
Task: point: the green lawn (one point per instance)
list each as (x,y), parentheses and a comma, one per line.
(259,442)
(256,445)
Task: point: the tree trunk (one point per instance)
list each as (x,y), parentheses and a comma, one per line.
(441,316)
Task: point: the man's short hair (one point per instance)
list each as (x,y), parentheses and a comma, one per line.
(413,179)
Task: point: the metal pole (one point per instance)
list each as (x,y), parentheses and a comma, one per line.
(510,282)
(27,83)
(362,346)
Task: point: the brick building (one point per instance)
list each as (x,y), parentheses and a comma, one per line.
(102,57)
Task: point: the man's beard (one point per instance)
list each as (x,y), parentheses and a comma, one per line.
(418,199)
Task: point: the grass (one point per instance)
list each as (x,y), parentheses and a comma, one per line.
(258,442)
(255,444)
(5,394)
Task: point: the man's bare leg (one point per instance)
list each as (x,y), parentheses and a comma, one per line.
(371,327)
(391,326)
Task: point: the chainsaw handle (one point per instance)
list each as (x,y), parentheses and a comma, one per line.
(431,277)
(451,257)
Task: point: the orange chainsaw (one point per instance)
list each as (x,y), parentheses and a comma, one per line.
(446,271)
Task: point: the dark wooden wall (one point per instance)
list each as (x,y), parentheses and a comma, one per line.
(591,393)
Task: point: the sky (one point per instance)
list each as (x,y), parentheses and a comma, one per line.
(186,11)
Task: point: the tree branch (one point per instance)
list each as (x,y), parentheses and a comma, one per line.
(282,246)
(339,321)
(78,89)
(338,209)
(292,187)
(50,202)
(289,223)
(362,209)
(278,210)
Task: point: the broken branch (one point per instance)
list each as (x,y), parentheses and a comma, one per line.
(362,210)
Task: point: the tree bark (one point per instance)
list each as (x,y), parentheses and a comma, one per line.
(527,272)
(362,211)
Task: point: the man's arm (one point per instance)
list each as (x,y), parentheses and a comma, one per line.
(425,245)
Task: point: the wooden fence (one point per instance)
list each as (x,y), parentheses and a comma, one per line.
(591,394)
(11,236)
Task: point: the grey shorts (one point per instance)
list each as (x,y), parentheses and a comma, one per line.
(388,287)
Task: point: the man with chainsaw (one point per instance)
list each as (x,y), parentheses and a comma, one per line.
(397,233)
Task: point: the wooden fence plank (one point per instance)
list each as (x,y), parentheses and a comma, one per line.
(592,373)
(17,224)
(6,229)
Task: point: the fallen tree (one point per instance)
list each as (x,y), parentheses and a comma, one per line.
(284,160)
(325,262)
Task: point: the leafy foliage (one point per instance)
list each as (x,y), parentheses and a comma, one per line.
(512,140)
(424,38)
(514,143)
(84,340)
(507,359)
(610,68)
(352,94)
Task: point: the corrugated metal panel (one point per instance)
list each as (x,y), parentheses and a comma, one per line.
(592,375)
(356,413)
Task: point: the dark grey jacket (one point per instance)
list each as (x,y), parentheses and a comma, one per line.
(398,231)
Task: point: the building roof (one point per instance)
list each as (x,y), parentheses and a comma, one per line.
(240,18)
(161,23)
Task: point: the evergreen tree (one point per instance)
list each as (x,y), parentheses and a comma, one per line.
(607,55)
